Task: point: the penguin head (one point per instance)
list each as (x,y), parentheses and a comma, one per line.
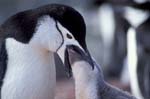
(52,27)
(72,28)
(70,32)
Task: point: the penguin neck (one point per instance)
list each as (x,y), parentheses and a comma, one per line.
(20,54)
(29,65)
(86,81)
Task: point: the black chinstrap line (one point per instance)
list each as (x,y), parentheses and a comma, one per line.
(60,34)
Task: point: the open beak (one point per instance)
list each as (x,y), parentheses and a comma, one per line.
(73,54)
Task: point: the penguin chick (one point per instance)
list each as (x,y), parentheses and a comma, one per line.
(89,81)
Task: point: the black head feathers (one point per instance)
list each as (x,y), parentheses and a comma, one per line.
(22,25)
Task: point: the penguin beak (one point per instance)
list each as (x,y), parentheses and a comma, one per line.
(73,54)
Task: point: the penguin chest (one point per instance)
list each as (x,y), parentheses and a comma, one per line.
(29,75)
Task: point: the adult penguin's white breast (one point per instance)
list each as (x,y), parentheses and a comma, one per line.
(29,75)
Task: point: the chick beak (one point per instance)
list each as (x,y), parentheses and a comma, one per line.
(73,54)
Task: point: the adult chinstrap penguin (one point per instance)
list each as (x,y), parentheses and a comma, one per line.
(89,82)
(28,41)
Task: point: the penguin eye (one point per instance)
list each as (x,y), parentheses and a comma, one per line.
(69,36)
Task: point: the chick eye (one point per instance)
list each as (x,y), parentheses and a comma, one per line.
(69,36)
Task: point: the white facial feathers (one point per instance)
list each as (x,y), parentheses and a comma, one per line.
(53,36)
(67,41)
(47,36)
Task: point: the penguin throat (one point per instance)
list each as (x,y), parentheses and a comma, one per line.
(85,81)
(30,72)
